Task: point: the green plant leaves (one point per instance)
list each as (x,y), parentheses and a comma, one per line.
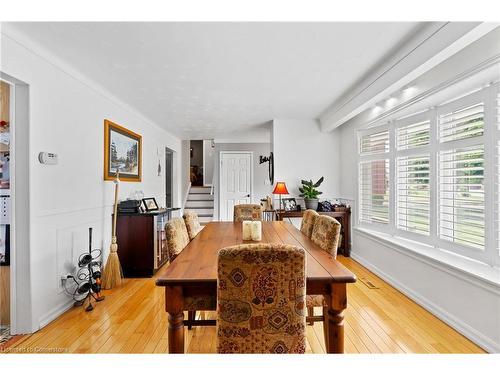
(319,182)
(308,189)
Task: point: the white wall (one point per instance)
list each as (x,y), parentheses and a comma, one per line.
(66,117)
(468,304)
(302,151)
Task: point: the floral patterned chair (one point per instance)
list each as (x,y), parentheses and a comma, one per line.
(308,220)
(192,223)
(325,234)
(261,299)
(177,239)
(251,212)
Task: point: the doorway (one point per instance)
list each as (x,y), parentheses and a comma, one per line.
(15,277)
(236,181)
(5,222)
(196,162)
(169,176)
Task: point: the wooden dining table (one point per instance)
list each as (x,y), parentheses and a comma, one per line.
(194,273)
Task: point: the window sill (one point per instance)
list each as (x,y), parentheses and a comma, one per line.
(436,257)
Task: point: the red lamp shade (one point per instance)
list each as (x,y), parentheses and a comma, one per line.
(280,188)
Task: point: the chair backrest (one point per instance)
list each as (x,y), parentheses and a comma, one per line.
(251,212)
(308,220)
(177,237)
(261,299)
(192,223)
(326,234)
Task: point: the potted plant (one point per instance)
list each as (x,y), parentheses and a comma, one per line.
(310,194)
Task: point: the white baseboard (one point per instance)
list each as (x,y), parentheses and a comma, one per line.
(471,333)
(55,313)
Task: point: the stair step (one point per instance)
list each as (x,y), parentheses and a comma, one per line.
(202,211)
(200,197)
(198,203)
(200,189)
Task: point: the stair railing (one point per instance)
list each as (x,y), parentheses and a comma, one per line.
(212,187)
(186,198)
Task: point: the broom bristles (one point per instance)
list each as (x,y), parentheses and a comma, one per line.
(112,275)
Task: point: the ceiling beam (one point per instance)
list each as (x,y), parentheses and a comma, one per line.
(426,48)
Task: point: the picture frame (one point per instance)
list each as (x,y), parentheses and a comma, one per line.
(150,204)
(289,204)
(122,151)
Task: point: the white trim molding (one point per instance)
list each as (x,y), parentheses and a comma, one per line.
(447,315)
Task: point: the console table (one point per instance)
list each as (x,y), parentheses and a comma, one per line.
(343,215)
(142,246)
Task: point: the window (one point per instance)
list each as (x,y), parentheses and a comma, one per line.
(434,177)
(463,123)
(413,201)
(461,172)
(374,195)
(413,174)
(375,143)
(413,135)
(461,190)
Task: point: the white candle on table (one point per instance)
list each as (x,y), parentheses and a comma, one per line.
(256,231)
(247,230)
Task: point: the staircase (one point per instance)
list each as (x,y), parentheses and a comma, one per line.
(201,200)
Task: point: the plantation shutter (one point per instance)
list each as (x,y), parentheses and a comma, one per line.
(375,143)
(461,188)
(374,191)
(461,124)
(413,135)
(413,194)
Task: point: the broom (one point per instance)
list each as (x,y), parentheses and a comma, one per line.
(112,275)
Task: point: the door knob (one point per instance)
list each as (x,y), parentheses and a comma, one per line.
(248,195)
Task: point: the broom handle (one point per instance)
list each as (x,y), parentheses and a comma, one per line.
(115,205)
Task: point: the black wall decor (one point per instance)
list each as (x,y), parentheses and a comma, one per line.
(270,159)
(86,283)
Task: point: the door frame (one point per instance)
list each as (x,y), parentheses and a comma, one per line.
(21,314)
(220,175)
(168,151)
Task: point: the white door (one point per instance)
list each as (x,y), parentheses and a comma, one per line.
(235,182)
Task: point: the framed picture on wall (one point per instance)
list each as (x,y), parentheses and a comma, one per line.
(123,152)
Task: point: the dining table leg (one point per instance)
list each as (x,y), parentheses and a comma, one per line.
(333,314)
(174,307)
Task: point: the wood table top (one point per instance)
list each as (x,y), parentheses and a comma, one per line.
(197,263)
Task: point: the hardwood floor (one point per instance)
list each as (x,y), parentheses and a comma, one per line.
(132,319)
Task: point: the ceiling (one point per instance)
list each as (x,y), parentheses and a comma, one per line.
(206,80)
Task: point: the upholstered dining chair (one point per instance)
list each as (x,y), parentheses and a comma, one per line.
(261,299)
(252,212)
(325,234)
(308,220)
(177,239)
(192,223)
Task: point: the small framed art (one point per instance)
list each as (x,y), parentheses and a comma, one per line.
(289,204)
(150,204)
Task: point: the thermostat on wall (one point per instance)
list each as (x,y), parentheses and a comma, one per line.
(47,158)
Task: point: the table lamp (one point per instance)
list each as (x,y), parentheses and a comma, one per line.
(280,189)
